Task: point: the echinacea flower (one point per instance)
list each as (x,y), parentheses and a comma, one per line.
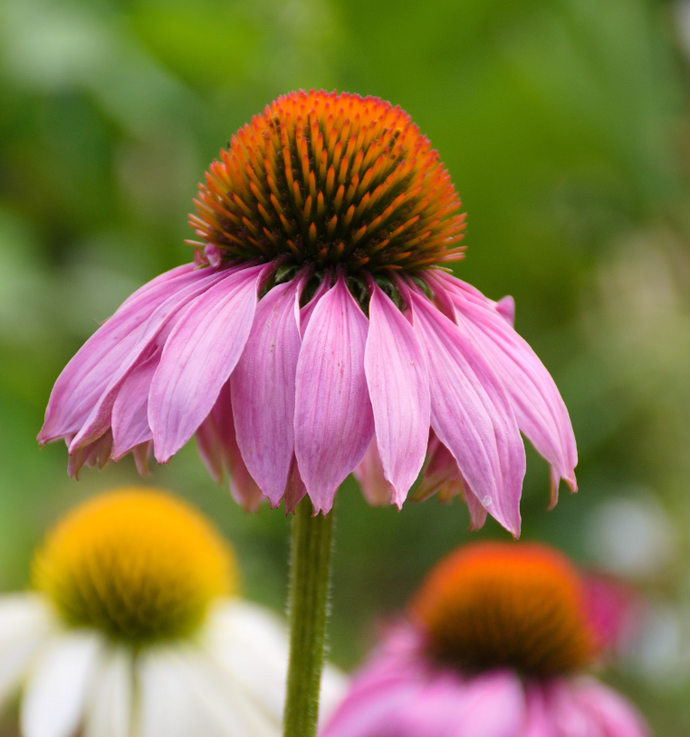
(135,630)
(497,645)
(318,322)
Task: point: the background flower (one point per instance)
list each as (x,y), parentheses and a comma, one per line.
(135,628)
(499,638)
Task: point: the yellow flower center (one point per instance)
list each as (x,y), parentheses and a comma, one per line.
(331,179)
(503,605)
(135,563)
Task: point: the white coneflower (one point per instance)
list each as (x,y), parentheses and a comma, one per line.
(135,630)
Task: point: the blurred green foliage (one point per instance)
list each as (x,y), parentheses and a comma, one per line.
(565,125)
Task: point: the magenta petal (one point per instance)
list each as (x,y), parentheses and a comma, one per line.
(158,325)
(616,716)
(218,449)
(477,511)
(129,421)
(442,476)
(210,449)
(569,717)
(447,705)
(157,281)
(86,376)
(430,712)
(506,309)
(613,609)
(491,705)
(398,383)
(198,357)
(334,423)
(295,490)
(538,406)
(382,689)
(263,392)
(95,453)
(142,454)
(375,488)
(306,312)
(471,416)
(538,721)
(371,707)
(213,254)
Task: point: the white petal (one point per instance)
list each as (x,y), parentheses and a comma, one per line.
(25,622)
(184,694)
(56,691)
(251,644)
(166,705)
(221,705)
(109,711)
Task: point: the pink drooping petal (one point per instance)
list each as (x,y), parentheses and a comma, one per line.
(91,370)
(398,382)
(334,423)
(491,705)
(198,358)
(304,314)
(506,309)
(616,716)
(396,695)
(129,422)
(155,330)
(95,453)
(217,446)
(167,276)
(369,713)
(210,449)
(430,711)
(380,690)
(263,392)
(538,721)
(295,490)
(471,416)
(376,489)
(537,403)
(569,716)
(477,510)
(142,455)
(441,475)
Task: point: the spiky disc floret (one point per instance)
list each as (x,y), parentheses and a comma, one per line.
(331,179)
(492,605)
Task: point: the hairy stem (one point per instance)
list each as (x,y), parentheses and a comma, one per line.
(310,566)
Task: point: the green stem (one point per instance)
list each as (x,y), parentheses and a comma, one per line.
(310,567)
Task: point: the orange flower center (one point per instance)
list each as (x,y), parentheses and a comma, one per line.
(502,605)
(330,179)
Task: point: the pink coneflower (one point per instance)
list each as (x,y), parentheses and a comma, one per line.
(497,644)
(317,323)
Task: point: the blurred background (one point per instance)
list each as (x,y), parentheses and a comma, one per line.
(566,127)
